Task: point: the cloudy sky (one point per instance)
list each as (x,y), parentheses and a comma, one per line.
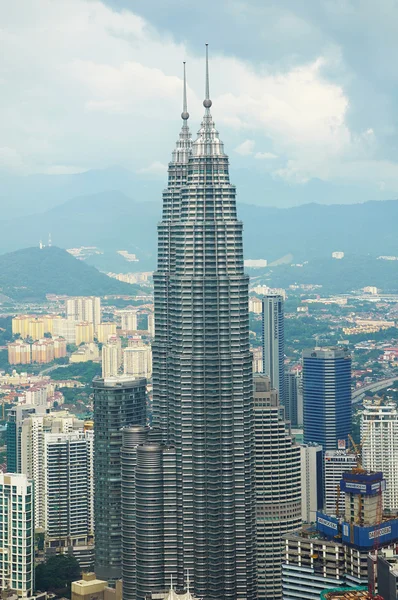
(304,93)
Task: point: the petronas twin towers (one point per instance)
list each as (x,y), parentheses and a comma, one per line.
(202,366)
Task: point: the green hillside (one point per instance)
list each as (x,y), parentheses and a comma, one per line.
(31,273)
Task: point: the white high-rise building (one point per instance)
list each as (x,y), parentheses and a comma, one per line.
(67,497)
(137,361)
(151,324)
(34,429)
(379,438)
(311,481)
(16,535)
(65,328)
(278,487)
(337,462)
(85,309)
(128,320)
(110,360)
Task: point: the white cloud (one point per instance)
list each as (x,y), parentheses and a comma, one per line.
(245,148)
(92,87)
(265,156)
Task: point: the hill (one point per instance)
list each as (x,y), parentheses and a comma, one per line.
(335,276)
(112,221)
(31,273)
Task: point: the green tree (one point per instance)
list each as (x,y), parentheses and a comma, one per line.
(57,574)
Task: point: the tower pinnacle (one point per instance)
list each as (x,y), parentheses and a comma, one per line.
(207,102)
(185,113)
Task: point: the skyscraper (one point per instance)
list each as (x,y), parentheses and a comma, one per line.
(294,397)
(67,498)
(16,416)
(278,490)
(326,396)
(118,402)
(274,342)
(202,366)
(379,437)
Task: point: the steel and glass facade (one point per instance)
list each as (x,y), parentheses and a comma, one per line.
(202,368)
(326,396)
(118,402)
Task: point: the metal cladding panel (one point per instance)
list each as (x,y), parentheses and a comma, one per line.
(363,487)
(327,525)
(365,537)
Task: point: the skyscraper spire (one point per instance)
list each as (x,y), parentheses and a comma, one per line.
(184,142)
(185,113)
(207,102)
(207,143)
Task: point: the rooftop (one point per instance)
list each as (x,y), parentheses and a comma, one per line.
(346,593)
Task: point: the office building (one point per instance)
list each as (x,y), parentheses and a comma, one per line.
(118,402)
(274,342)
(110,360)
(379,439)
(311,481)
(336,463)
(387,574)
(64,328)
(19,353)
(84,309)
(202,367)
(16,416)
(326,396)
(137,361)
(128,320)
(149,516)
(16,535)
(278,493)
(84,333)
(104,331)
(294,397)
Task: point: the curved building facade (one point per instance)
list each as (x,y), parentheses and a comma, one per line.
(118,402)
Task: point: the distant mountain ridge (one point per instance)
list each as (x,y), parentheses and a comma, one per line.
(31,273)
(112,221)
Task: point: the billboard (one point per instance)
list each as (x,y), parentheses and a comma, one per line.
(365,538)
(366,484)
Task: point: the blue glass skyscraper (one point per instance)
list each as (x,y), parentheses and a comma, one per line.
(326,396)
